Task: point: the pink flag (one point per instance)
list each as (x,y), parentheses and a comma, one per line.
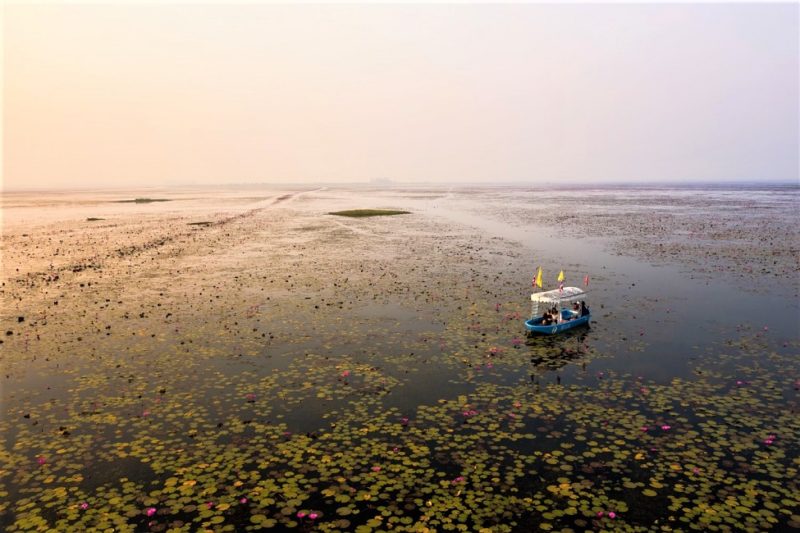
(586,280)
(561,288)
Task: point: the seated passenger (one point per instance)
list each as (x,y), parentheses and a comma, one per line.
(584,309)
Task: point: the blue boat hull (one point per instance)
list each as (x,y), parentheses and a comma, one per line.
(534,325)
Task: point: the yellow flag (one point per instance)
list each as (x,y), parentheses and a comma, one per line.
(561,276)
(538,280)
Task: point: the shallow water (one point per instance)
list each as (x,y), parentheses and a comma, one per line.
(279,362)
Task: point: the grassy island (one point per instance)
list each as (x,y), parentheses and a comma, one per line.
(360,213)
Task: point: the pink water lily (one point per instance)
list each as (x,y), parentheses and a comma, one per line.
(612,515)
(250,397)
(41,460)
(345,373)
(600,514)
(644,428)
(301,514)
(376,469)
(84,506)
(150,511)
(666,427)
(404,420)
(459,479)
(242,500)
(313,516)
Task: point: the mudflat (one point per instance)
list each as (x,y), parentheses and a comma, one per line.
(242,359)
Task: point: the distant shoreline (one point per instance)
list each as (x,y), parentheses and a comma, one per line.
(416,185)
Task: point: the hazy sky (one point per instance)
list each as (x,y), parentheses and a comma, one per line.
(154,95)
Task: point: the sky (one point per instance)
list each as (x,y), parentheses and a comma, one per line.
(159,95)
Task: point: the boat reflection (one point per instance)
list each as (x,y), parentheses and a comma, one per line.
(549,353)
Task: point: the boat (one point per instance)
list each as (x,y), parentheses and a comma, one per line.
(563,300)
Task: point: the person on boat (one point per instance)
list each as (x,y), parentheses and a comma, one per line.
(584,309)
(547,319)
(556,315)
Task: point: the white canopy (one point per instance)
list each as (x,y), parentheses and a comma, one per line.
(555,296)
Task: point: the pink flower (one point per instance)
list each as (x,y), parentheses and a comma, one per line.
(150,511)
(459,479)
(146,413)
(250,397)
(209,505)
(376,469)
(600,514)
(612,515)
(666,427)
(345,373)
(41,460)
(644,428)
(301,514)
(84,506)
(404,420)
(313,516)
(242,500)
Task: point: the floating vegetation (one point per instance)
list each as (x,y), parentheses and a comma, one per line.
(93,219)
(143,200)
(266,376)
(359,213)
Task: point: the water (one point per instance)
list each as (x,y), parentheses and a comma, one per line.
(281,361)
